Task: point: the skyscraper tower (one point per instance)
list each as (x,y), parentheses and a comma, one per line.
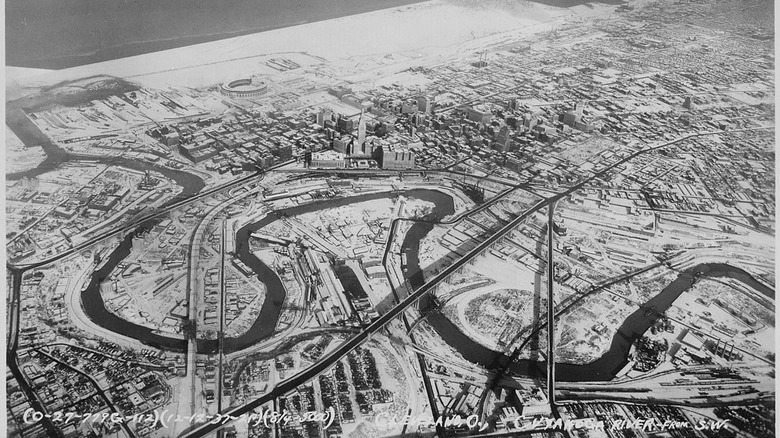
(579,107)
(361,139)
(424,104)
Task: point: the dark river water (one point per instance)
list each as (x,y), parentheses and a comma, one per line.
(602,369)
(265,323)
(607,366)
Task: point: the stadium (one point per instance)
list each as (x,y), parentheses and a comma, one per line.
(244,87)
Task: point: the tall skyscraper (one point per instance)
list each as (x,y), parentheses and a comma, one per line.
(323,116)
(341,144)
(529,121)
(425,104)
(503,141)
(579,107)
(345,125)
(361,138)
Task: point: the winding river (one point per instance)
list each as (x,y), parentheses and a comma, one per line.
(608,365)
(270,311)
(603,369)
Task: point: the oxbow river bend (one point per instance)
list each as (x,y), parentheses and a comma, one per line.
(603,369)
(270,311)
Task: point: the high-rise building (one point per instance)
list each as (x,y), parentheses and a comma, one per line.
(284,151)
(340,144)
(584,126)
(503,141)
(514,163)
(480,114)
(408,107)
(425,104)
(323,116)
(395,159)
(529,121)
(373,146)
(571,118)
(345,125)
(361,138)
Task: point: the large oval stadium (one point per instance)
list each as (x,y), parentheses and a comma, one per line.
(244,87)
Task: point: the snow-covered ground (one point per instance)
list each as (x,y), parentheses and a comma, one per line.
(420,34)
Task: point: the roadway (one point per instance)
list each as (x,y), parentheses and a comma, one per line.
(152,215)
(109,403)
(222,298)
(350,344)
(339,353)
(17,272)
(10,355)
(551,309)
(195,291)
(428,172)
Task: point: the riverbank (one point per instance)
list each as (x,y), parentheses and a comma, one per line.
(608,365)
(265,324)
